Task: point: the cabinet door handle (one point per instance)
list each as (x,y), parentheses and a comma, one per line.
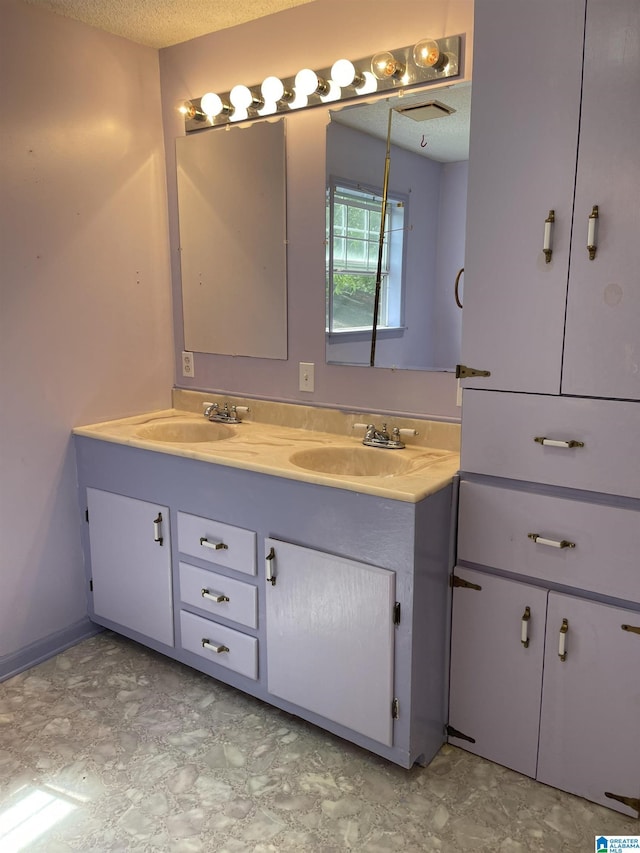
(554,442)
(552,543)
(214,596)
(157,529)
(592,243)
(456,288)
(524,636)
(271,575)
(218,649)
(562,642)
(547,244)
(214,546)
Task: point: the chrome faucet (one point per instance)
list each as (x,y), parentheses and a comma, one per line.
(375,437)
(227,414)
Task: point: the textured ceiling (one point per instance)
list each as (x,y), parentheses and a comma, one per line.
(160,23)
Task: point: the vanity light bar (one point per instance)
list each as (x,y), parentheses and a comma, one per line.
(427,61)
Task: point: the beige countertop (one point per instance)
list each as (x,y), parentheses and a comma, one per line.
(268,447)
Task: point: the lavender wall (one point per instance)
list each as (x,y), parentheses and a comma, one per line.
(85,314)
(312,35)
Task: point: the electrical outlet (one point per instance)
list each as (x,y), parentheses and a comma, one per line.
(306,376)
(187,365)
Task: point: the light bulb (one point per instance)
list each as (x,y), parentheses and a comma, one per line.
(343,72)
(426,54)
(211,104)
(384,65)
(369,85)
(239,114)
(300,100)
(241,97)
(187,109)
(270,107)
(272,89)
(333,93)
(308,83)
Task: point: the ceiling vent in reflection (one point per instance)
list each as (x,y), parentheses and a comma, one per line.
(427,111)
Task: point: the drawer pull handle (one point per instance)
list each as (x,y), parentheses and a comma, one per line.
(157,529)
(214,546)
(547,245)
(635,629)
(553,442)
(524,636)
(214,596)
(552,543)
(562,644)
(592,243)
(218,649)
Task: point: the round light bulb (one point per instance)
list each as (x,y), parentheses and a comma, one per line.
(426,54)
(332,93)
(239,114)
(344,73)
(272,89)
(308,83)
(384,65)
(211,104)
(300,100)
(241,97)
(187,109)
(369,85)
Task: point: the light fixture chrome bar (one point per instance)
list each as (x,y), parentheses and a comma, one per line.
(413,75)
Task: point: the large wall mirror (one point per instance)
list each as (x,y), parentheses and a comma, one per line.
(232,218)
(419,319)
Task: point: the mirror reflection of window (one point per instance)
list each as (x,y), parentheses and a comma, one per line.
(353,241)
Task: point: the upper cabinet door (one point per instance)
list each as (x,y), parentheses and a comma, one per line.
(527,69)
(602,348)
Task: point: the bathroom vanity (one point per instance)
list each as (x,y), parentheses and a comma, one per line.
(325,595)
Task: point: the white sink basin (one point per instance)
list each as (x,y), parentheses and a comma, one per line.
(352,461)
(186,431)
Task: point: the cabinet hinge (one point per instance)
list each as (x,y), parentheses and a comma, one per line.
(396,613)
(86,515)
(632,802)
(395,709)
(456,581)
(464,372)
(91,585)
(451,732)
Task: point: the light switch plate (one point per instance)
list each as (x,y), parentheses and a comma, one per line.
(307,378)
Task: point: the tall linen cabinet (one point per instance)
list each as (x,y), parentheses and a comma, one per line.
(545,662)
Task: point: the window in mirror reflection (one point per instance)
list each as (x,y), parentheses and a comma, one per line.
(353,215)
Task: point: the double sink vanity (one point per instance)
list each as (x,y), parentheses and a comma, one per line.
(281,556)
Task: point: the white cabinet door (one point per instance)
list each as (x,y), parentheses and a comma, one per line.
(602,348)
(496,679)
(330,637)
(590,721)
(527,66)
(131,564)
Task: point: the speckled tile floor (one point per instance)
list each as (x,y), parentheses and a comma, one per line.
(111,747)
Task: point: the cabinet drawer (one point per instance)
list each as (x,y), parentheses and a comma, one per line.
(496,523)
(219,543)
(239,652)
(200,588)
(499,432)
